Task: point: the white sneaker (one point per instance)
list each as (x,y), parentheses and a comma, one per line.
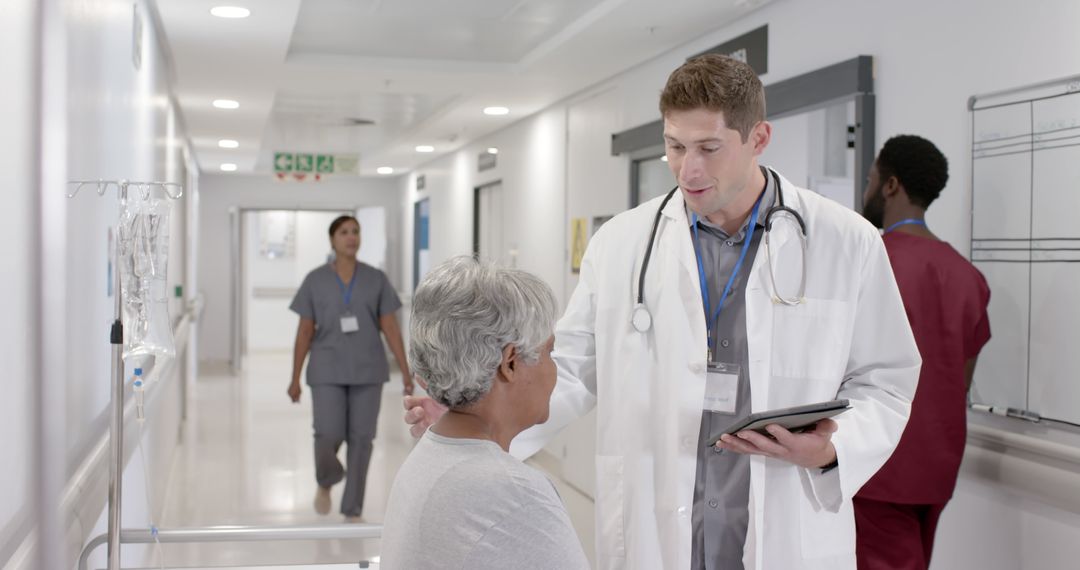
(322,501)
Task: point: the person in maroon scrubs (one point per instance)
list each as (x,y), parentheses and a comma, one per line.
(897,511)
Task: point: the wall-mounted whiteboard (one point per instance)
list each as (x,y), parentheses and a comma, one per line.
(1025,238)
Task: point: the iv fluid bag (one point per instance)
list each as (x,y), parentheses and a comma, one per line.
(144,254)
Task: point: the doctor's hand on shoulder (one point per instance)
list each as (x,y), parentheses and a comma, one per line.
(809,449)
(421,412)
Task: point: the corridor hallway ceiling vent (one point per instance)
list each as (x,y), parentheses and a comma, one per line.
(419,70)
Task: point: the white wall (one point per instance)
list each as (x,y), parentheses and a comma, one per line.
(991,526)
(122,124)
(374,237)
(221,192)
(929,57)
(104,119)
(271,326)
(531,167)
(17,407)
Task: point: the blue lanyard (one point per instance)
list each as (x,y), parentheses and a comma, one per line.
(347,294)
(907,222)
(709,323)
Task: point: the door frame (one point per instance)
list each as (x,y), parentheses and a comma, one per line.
(238,274)
(476,215)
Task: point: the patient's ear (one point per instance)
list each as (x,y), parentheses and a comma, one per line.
(509,362)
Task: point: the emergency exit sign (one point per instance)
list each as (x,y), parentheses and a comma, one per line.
(311,163)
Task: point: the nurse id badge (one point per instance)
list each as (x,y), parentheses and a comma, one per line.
(349,324)
(722,388)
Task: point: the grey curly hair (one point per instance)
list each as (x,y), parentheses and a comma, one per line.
(464,313)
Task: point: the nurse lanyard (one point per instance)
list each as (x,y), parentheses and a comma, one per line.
(347,294)
(711,323)
(907,222)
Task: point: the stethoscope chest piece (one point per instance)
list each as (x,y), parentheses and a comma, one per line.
(641,318)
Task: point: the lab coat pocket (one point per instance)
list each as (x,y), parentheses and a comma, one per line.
(826,534)
(810,339)
(610,506)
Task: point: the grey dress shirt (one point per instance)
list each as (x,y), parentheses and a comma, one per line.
(722,485)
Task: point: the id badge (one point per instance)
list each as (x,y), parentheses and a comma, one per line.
(722,388)
(349,324)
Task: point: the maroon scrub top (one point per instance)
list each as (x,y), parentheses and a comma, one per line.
(945,297)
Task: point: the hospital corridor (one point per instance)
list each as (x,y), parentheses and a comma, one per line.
(540,285)
(246,460)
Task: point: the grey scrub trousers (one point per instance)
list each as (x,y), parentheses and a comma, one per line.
(346,371)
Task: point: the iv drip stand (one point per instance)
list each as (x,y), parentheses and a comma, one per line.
(116,339)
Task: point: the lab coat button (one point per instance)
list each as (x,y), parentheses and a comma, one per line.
(713,503)
(682,512)
(697,368)
(687,442)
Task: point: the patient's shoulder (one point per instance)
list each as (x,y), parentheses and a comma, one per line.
(487,472)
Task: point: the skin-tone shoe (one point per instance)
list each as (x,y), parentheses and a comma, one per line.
(322,501)
(355,520)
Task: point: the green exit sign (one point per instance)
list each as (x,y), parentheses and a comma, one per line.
(324,164)
(312,163)
(283,162)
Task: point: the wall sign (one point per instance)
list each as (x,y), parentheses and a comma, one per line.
(486,161)
(751,48)
(302,166)
(579,238)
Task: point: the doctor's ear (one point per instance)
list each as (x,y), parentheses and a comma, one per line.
(760,135)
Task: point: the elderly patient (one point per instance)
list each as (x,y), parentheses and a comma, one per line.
(482,340)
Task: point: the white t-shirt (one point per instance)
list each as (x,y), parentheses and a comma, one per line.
(467,504)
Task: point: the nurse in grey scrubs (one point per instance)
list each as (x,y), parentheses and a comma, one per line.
(343,307)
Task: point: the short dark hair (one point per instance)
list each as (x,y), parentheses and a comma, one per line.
(334,225)
(919,166)
(717,83)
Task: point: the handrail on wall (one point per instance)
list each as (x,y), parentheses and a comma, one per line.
(234,534)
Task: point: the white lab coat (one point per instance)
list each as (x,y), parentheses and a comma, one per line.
(851,339)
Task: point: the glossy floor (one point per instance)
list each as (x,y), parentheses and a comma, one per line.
(246,459)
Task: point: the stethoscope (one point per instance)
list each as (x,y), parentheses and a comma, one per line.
(641,318)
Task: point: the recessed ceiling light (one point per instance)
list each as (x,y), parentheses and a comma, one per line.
(230,12)
(226,104)
(493,150)
(496,111)
(228,167)
(663,158)
(384,170)
(425,148)
(228,143)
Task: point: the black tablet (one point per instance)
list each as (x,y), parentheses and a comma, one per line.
(795,419)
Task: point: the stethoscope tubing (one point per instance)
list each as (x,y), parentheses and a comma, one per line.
(648,248)
(779,208)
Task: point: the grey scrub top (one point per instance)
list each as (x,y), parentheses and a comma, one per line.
(338,357)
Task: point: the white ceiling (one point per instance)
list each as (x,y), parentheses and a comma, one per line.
(305,71)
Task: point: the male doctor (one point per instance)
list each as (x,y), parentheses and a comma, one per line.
(721,342)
